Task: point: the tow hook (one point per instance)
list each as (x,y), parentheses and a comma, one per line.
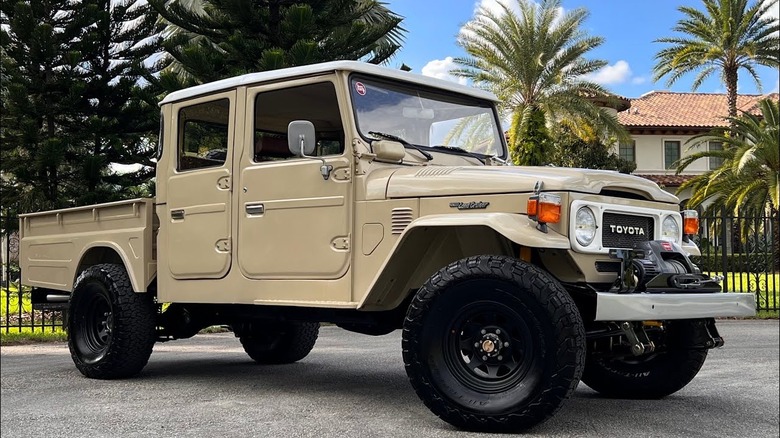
(640,343)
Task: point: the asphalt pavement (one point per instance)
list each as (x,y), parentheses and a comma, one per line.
(355,386)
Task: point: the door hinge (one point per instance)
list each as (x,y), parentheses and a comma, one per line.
(342,174)
(223,245)
(340,243)
(224,183)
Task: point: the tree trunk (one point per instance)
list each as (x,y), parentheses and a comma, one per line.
(731,90)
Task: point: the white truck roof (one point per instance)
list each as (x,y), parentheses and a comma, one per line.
(352,66)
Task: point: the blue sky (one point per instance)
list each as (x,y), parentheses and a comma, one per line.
(629,28)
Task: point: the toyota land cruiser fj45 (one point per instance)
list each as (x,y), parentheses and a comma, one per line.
(378,200)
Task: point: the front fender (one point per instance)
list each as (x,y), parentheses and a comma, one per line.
(431,242)
(518,228)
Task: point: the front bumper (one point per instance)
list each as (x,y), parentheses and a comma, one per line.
(660,306)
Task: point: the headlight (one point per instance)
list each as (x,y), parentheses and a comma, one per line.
(585,226)
(670,229)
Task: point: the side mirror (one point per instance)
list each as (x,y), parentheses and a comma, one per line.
(301,142)
(389,151)
(300,138)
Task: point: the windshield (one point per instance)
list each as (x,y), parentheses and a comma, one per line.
(426,117)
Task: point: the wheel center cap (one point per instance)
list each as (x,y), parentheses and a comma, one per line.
(488,346)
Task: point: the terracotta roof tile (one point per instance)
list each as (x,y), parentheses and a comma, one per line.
(696,110)
(667,180)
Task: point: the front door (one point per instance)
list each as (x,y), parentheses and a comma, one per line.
(293,223)
(199,188)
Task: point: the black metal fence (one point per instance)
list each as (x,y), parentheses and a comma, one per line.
(744,250)
(16,310)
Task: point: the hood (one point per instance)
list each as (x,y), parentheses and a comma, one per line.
(468,180)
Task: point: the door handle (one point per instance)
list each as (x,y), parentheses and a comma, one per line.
(255,209)
(177,214)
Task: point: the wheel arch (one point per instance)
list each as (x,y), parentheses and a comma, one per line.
(109,252)
(431,242)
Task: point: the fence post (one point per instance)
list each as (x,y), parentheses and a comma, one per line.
(723,241)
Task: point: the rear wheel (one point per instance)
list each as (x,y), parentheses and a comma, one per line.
(111,329)
(281,343)
(493,344)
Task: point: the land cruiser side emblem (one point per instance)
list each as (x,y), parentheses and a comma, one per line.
(475,205)
(620,229)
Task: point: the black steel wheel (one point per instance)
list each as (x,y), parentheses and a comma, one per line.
(111,329)
(650,376)
(493,344)
(281,343)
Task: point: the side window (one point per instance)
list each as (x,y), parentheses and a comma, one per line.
(274,110)
(203,135)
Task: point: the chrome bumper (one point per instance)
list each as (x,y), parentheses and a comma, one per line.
(643,306)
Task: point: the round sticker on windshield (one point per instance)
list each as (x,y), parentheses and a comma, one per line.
(360,88)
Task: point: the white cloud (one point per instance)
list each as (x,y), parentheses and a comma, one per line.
(773,12)
(121,169)
(494,7)
(638,80)
(617,73)
(440,68)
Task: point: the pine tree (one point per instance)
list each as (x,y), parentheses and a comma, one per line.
(213,39)
(118,108)
(75,100)
(35,35)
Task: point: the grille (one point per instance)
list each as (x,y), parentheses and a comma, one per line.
(401,218)
(623,230)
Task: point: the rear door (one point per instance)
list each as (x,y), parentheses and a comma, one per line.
(199,191)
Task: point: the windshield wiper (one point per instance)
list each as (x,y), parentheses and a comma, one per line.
(405,143)
(461,151)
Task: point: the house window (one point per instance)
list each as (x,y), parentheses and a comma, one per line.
(716,162)
(627,150)
(671,153)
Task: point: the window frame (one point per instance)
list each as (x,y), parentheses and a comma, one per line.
(181,125)
(714,159)
(253,97)
(670,166)
(632,145)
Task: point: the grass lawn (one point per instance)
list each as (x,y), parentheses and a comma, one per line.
(26,335)
(767,285)
(9,301)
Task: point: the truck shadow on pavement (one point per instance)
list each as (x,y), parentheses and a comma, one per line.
(346,380)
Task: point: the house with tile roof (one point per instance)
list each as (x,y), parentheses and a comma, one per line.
(662,122)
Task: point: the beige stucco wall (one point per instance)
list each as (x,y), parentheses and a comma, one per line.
(650,154)
(650,158)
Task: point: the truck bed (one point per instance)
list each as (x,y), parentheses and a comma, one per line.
(57,245)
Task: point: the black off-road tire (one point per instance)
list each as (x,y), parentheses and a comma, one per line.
(467,310)
(281,343)
(111,329)
(652,376)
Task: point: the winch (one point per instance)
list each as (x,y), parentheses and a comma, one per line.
(660,266)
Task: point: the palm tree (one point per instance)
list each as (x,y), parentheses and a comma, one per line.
(727,37)
(534,61)
(749,175)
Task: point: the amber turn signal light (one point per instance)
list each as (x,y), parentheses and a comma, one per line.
(545,208)
(690,222)
(532,207)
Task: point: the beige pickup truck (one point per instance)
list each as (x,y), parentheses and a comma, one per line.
(378,200)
